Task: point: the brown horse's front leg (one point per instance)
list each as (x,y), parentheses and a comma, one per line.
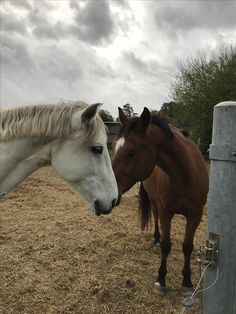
(186,271)
(191,226)
(165,251)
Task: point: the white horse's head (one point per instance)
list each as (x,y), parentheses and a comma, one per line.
(82,160)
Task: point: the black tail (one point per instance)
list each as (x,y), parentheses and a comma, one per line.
(144,207)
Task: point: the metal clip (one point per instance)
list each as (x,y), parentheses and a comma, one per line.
(209,252)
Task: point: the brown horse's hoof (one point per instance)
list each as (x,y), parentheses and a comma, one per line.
(156,247)
(156,242)
(187,291)
(161,290)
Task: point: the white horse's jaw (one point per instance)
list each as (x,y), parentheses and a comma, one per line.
(101,198)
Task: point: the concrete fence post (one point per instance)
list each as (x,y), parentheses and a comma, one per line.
(221,297)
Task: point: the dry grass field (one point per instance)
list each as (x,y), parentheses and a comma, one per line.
(58,257)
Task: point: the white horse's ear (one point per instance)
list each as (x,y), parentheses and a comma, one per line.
(90,112)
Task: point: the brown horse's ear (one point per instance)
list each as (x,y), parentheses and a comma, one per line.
(123,118)
(145,119)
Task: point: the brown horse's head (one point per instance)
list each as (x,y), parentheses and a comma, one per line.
(134,156)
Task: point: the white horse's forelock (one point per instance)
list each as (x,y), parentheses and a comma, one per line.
(47,122)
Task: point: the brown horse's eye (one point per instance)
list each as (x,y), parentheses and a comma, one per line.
(131,153)
(97,149)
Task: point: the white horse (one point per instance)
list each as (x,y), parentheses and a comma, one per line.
(69,136)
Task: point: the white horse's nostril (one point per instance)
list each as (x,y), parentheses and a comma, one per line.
(100,209)
(97,207)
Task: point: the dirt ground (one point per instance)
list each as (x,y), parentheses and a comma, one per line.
(58,257)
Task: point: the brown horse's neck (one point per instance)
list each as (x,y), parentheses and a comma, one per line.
(173,156)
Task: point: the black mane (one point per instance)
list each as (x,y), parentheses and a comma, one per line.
(160,122)
(163,125)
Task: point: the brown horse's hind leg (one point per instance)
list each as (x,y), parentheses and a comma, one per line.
(157,235)
(165,251)
(191,226)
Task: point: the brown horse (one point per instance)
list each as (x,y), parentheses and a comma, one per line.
(174,180)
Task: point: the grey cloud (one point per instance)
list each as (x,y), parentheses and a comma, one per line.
(42,26)
(25,4)
(136,62)
(187,15)
(123,3)
(44,5)
(55,31)
(102,70)
(148,67)
(58,63)
(41,13)
(36,18)
(74,5)
(94,23)
(12,24)
(71,64)
(15,55)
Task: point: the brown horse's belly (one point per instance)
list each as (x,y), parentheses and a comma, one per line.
(170,196)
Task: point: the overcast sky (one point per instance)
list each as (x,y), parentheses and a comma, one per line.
(104,51)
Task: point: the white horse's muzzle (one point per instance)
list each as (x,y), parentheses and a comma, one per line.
(100,209)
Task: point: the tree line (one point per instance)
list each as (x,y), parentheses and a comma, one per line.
(107,117)
(199,84)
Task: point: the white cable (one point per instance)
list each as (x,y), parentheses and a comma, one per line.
(214,282)
(195,292)
(199,282)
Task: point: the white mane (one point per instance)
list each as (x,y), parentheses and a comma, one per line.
(44,121)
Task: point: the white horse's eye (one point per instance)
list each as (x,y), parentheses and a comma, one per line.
(97,149)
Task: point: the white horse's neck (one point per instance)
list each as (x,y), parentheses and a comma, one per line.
(19,159)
